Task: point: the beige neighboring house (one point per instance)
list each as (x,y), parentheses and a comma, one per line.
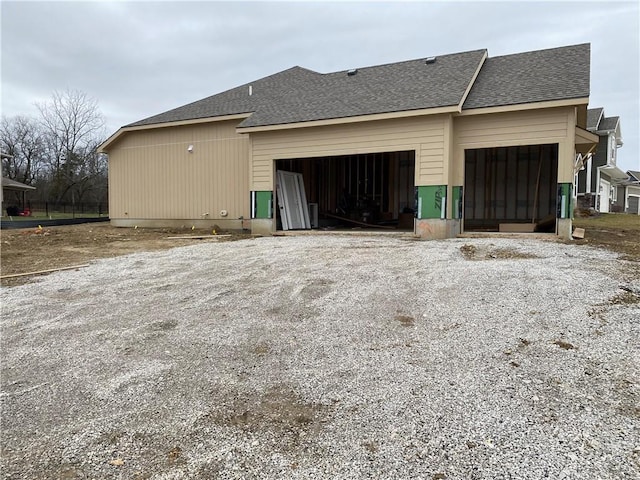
(458,142)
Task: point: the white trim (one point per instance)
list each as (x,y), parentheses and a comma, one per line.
(121,131)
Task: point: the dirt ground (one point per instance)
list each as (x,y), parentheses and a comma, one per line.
(34,249)
(617,232)
(31,250)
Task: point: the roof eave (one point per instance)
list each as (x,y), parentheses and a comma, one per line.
(569,102)
(104,147)
(354,119)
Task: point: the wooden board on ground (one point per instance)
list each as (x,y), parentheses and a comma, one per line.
(578,233)
(517,227)
(49,270)
(196,237)
(356,222)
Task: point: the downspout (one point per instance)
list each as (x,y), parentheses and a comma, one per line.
(597,202)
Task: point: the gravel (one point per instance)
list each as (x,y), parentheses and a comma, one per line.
(327,357)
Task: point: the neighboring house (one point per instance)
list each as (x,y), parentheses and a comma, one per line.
(13,194)
(631,192)
(597,182)
(459,142)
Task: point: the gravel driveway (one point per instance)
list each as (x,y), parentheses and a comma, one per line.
(327,357)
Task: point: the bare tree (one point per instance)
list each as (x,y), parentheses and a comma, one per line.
(74,128)
(23,140)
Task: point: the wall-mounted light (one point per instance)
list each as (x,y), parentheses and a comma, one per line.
(190,149)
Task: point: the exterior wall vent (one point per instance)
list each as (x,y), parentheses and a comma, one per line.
(430,60)
(352,72)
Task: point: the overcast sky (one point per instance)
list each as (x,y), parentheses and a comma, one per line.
(142,58)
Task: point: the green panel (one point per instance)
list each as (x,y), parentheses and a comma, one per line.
(431,201)
(565,199)
(263,204)
(457,202)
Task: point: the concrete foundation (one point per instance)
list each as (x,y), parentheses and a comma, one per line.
(222,223)
(564,228)
(436,229)
(262,226)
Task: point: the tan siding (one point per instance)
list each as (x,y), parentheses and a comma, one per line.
(422,134)
(528,127)
(153,176)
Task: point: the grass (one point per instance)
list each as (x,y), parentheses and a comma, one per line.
(614,221)
(619,232)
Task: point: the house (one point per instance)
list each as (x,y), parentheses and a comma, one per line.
(13,193)
(456,142)
(597,182)
(631,192)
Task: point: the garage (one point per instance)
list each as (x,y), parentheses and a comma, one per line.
(511,188)
(373,190)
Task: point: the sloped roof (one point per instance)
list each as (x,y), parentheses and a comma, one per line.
(608,123)
(543,75)
(237,100)
(635,174)
(10,184)
(593,118)
(299,95)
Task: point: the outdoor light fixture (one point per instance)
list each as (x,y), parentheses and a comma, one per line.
(190,149)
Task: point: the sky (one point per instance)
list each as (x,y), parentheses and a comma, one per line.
(139,59)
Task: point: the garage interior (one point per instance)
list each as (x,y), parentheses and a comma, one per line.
(511,188)
(374,190)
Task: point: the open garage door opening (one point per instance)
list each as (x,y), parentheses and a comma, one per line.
(511,189)
(373,190)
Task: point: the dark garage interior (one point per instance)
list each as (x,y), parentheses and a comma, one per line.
(374,190)
(511,188)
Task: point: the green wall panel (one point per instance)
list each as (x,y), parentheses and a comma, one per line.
(457,202)
(565,197)
(431,201)
(262,204)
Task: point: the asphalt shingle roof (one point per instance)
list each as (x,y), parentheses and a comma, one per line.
(608,123)
(635,174)
(300,95)
(543,75)
(593,118)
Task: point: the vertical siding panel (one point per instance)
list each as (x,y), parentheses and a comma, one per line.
(152,175)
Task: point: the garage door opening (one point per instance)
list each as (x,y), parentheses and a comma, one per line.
(356,191)
(511,188)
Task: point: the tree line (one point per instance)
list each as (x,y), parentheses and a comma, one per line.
(57,151)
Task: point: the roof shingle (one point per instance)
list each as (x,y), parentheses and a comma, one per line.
(543,75)
(608,123)
(593,118)
(301,95)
